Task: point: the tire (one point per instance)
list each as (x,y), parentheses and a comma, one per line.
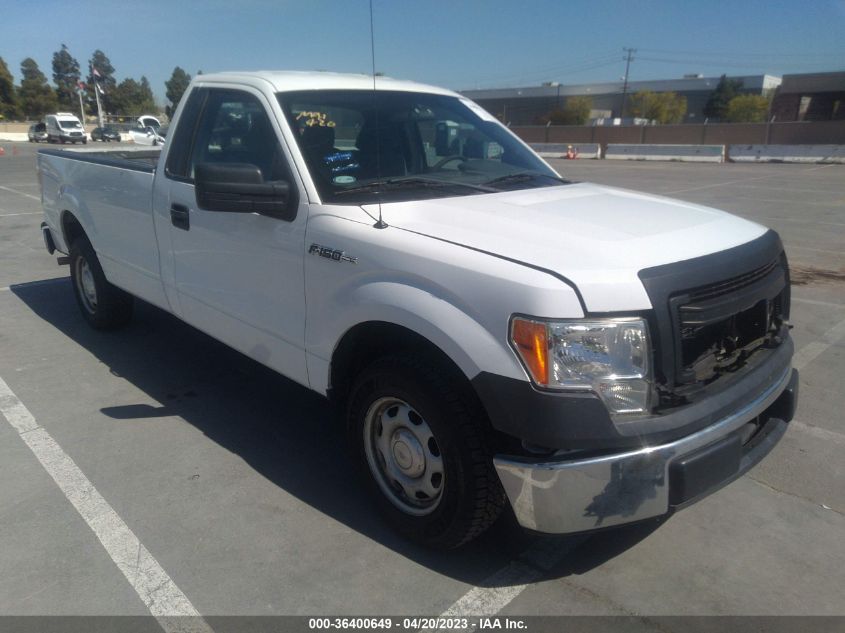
(104,306)
(408,421)
(85,142)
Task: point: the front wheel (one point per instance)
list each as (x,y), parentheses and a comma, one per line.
(421,443)
(103,305)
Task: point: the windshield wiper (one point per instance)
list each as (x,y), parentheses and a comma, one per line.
(413,181)
(522,176)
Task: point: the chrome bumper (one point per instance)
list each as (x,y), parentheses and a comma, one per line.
(580,495)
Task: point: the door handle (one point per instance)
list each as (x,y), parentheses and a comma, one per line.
(179,217)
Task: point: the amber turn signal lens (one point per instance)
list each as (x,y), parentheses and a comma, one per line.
(532,344)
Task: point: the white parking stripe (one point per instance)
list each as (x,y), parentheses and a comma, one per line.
(20,193)
(155,588)
(11,215)
(29,284)
(498,590)
(813,350)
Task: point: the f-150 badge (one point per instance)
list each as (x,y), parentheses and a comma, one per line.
(331,253)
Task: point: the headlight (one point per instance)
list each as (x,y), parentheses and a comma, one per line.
(610,357)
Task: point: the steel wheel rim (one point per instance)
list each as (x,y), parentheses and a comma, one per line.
(85,285)
(404,456)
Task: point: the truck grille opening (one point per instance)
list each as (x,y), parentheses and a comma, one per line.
(720,325)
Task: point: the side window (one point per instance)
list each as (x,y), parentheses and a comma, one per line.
(182,140)
(234,128)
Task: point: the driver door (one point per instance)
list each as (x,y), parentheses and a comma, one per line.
(239,276)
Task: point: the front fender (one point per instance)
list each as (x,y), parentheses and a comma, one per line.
(467,342)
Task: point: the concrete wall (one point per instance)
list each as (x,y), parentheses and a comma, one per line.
(787,133)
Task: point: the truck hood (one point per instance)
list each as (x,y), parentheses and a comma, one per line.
(597,237)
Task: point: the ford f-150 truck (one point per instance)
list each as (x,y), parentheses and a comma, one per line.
(492,332)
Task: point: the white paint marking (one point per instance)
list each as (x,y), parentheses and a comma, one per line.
(498,590)
(156,589)
(815,250)
(811,351)
(716,184)
(20,193)
(11,215)
(42,282)
(816,302)
(818,432)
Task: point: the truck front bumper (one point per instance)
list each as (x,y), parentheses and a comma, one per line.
(563,496)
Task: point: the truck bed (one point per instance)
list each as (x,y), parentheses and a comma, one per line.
(137,159)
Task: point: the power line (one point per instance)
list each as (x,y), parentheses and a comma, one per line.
(734,55)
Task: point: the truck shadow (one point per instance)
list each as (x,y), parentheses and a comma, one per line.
(286,433)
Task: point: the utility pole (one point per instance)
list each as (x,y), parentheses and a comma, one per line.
(95,76)
(81,107)
(629,57)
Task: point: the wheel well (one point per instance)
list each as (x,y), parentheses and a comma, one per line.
(366,342)
(71,228)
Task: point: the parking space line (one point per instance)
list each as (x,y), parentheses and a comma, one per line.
(20,193)
(813,350)
(818,432)
(815,250)
(816,302)
(9,215)
(154,587)
(40,282)
(498,590)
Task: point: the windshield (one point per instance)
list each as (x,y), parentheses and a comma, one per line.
(67,125)
(362,146)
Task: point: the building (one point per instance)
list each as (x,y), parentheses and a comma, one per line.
(810,97)
(525,106)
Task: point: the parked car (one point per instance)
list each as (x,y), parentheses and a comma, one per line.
(490,331)
(64,127)
(148,136)
(37,133)
(105,134)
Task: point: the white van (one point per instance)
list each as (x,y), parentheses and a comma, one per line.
(64,127)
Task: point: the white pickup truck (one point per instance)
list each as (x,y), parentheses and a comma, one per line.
(492,332)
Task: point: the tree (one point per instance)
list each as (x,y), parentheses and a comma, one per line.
(36,96)
(717,104)
(146,98)
(662,107)
(132,98)
(8,94)
(747,109)
(104,78)
(66,78)
(176,86)
(576,111)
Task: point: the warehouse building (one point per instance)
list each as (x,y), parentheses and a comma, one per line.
(810,97)
(526,106)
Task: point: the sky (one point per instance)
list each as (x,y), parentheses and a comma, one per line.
(459,44)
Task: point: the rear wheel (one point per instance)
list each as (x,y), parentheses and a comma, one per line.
(103,305)
(421,444)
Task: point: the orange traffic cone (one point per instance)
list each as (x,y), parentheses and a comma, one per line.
(2,152)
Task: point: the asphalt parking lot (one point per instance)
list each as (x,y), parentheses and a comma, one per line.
(237,481)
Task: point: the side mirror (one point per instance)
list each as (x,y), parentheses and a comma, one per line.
(240,188)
